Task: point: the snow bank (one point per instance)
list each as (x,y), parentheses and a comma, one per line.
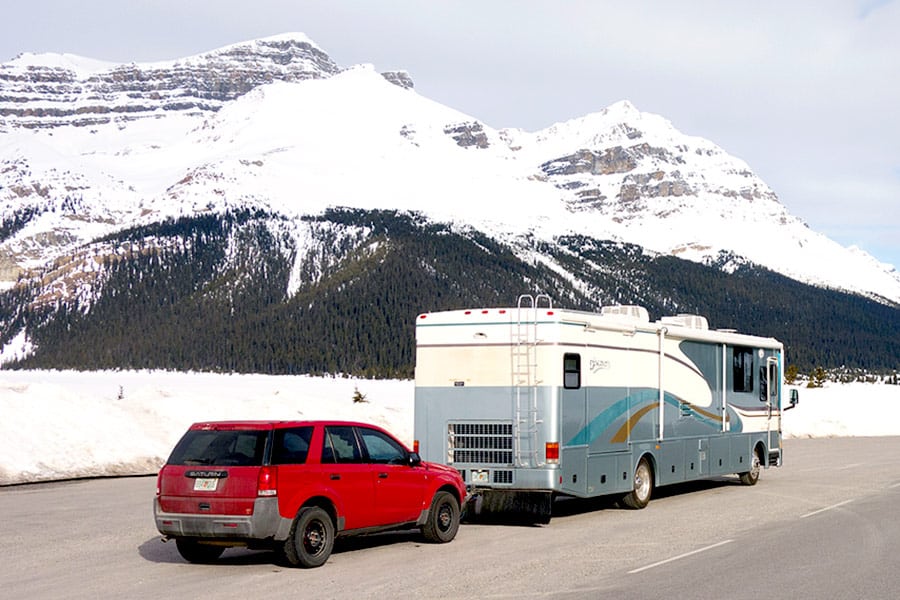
(60,424)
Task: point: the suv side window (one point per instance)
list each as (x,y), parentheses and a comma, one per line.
(341,446)
(291,445)
(381,448)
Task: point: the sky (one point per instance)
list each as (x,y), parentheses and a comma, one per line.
(805,91)
(51,419)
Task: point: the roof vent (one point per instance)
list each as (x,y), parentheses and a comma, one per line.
(684,320)
(629,313)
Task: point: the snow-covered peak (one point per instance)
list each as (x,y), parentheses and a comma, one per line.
(619,124)
(275,123)
(281,39)
(81,66)
(44,91)
(286,50)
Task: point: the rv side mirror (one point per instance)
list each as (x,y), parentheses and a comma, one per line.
(795,399)
(415,460)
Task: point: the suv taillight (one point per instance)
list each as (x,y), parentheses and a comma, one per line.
(267,483)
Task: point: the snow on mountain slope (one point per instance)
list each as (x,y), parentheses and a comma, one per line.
(274,123)
(632,176)
(356,140)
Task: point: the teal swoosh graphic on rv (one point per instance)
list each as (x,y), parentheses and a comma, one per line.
(606,418)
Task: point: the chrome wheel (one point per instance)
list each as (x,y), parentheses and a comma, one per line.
(642,486)
(752,476)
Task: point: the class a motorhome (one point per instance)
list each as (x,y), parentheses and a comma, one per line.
(531,402)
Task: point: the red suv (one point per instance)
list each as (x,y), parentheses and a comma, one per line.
(294,485)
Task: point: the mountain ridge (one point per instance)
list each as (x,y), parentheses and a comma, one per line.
(324,138)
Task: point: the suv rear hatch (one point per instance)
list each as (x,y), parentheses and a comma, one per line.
(215,469)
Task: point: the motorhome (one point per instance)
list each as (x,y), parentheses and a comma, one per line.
(530,402)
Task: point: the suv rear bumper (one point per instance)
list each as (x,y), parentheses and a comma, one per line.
(264,523)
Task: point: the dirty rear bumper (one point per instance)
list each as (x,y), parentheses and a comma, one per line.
(264,523)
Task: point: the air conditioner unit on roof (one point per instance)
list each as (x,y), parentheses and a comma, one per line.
(685,320)
(626,312)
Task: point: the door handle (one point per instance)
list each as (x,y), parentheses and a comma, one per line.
(382,476)
(335,476)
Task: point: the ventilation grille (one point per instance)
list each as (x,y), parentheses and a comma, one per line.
(504,476)
(482,443)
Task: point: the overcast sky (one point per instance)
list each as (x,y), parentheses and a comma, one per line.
(805,91)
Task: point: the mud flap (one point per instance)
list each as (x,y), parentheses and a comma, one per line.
(511,505)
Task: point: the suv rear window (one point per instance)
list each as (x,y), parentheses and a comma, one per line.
(222,448)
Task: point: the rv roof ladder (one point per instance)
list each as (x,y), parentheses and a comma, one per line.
(524,364)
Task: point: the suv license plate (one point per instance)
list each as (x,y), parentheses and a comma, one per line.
(206,485)
(479,476)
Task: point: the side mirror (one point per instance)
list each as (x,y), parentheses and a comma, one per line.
(414,460)
(795,399)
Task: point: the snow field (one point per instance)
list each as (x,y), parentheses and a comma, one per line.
(65,424)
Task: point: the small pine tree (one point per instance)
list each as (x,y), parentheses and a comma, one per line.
(358,396)
(817,379)
(790,374)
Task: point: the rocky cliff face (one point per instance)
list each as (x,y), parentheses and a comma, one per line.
(39,93)
(628,167)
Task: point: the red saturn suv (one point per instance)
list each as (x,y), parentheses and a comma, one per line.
(293,486)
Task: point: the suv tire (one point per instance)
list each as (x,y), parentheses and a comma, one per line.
(311,539)
(443,518)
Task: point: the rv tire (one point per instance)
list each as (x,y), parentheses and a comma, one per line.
(752,476)
(639,496)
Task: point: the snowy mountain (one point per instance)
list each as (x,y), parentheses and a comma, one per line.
(89,147)
(89,150)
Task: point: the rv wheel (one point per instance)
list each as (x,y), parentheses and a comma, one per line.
(639,497)
(752,476)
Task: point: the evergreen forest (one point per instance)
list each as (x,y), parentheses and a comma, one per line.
(233,293)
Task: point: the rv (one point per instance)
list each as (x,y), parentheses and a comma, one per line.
(532,402)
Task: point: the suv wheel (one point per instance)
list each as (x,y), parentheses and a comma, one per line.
(311,539)
(443,518)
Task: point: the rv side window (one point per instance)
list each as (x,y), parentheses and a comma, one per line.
(765,376)
(572,371)
(743,369)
